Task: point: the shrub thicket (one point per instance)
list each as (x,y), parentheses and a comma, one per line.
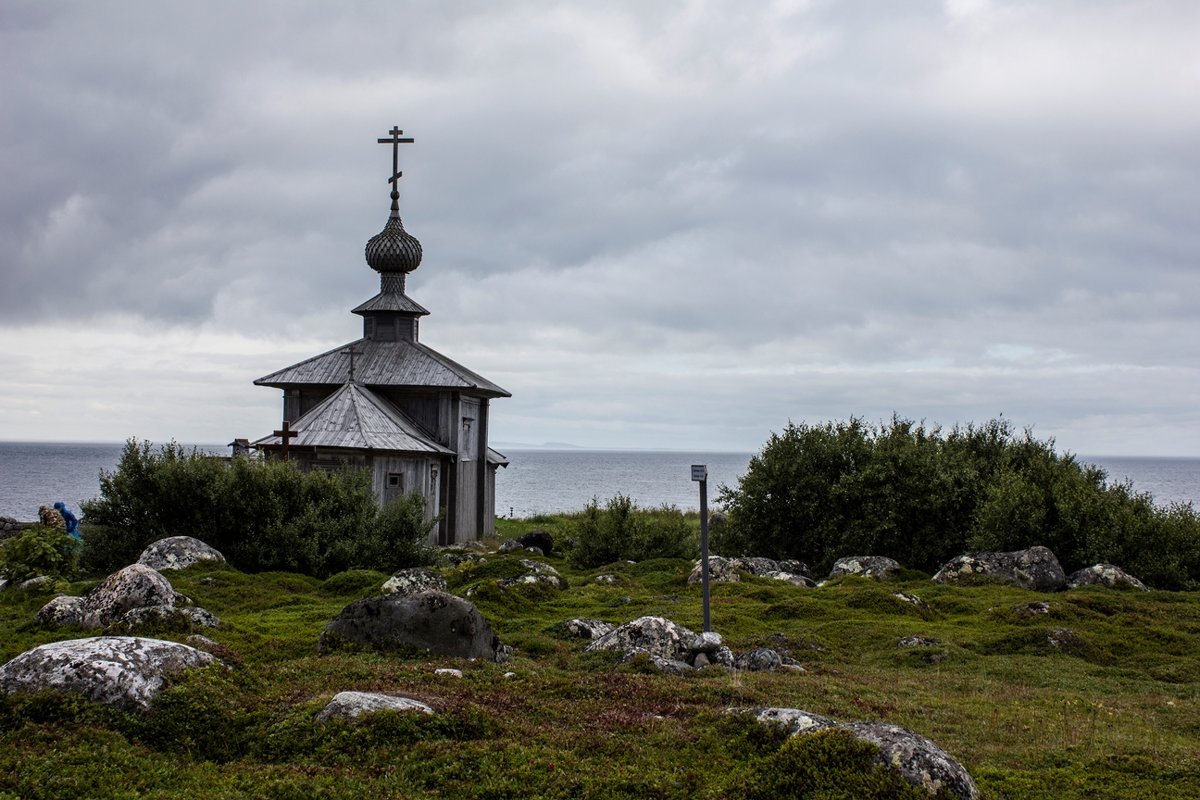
(623,531)
(262,515)
(39,550)
(923,495)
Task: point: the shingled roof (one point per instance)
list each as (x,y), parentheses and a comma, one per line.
(355,417)
(397,364)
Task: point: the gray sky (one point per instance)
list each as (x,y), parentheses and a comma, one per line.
(675,224)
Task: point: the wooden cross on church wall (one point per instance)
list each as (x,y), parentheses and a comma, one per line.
(284,435)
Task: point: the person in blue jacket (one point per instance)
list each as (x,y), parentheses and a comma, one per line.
(69,518)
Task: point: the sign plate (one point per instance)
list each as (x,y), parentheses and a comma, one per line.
(699,472)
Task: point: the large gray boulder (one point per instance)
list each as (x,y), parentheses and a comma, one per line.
(123,671)
(920,761)
(657,637)
(414,581)
(1104,575)
(877,567)
(434,622)
(1036,569)
(178,552)
(134,586)
(351,705)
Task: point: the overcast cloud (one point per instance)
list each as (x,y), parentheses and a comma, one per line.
(674,224)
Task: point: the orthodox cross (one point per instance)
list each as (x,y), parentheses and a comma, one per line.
(395,141)
(284,435)
(352,352)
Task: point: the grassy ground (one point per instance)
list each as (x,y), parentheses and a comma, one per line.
(1115,716)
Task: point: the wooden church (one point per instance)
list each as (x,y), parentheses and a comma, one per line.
(415,419)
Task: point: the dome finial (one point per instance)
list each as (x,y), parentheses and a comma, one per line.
(394,249)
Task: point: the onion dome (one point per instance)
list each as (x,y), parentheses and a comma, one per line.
(393,249)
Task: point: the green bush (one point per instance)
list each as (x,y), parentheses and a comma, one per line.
(262,515)
(39,550)
(623,531)
(832,765)
(923,495)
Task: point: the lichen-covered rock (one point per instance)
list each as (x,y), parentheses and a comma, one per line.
(911,599)
(434,622)
(795,567)
(61,612)
(537,567)
(658,637)
(762,659)
(36,584)
(187,618)
(351,705)
(720,570)
(755,565)
(134,586)
(917,641)
(121,671)
(590,629)
(1104,575)
(706,642)
(877,567)
(1036,569)
(179,552)
(414,581)
(509,545)
(795,720)
(534,579)
(792,578)
(607,579)
(920,761)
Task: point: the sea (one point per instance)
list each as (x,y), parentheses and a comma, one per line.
(33,474)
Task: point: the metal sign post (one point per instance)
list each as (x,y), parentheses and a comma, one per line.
(700,475)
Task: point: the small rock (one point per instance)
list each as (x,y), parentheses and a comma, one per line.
(911,599)
(755,565)
(792,578)
(155,616)
(1104,575)
(534,579)
(720,570)
(1037,609)
(877,567)
(917,641)
(178,552)
(414,581)
(351,705)
(762,659)
(706,642)
(508,545)
(36,584)
(510,675)
(723,656)
(446,672)
(794,567)
(590,629)
(61,612)
(700,661)
(606,579)
(537,567)
(795,720)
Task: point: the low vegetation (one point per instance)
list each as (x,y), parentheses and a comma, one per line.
(621,531)
(1115,715)
(262,515)
(922,495)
